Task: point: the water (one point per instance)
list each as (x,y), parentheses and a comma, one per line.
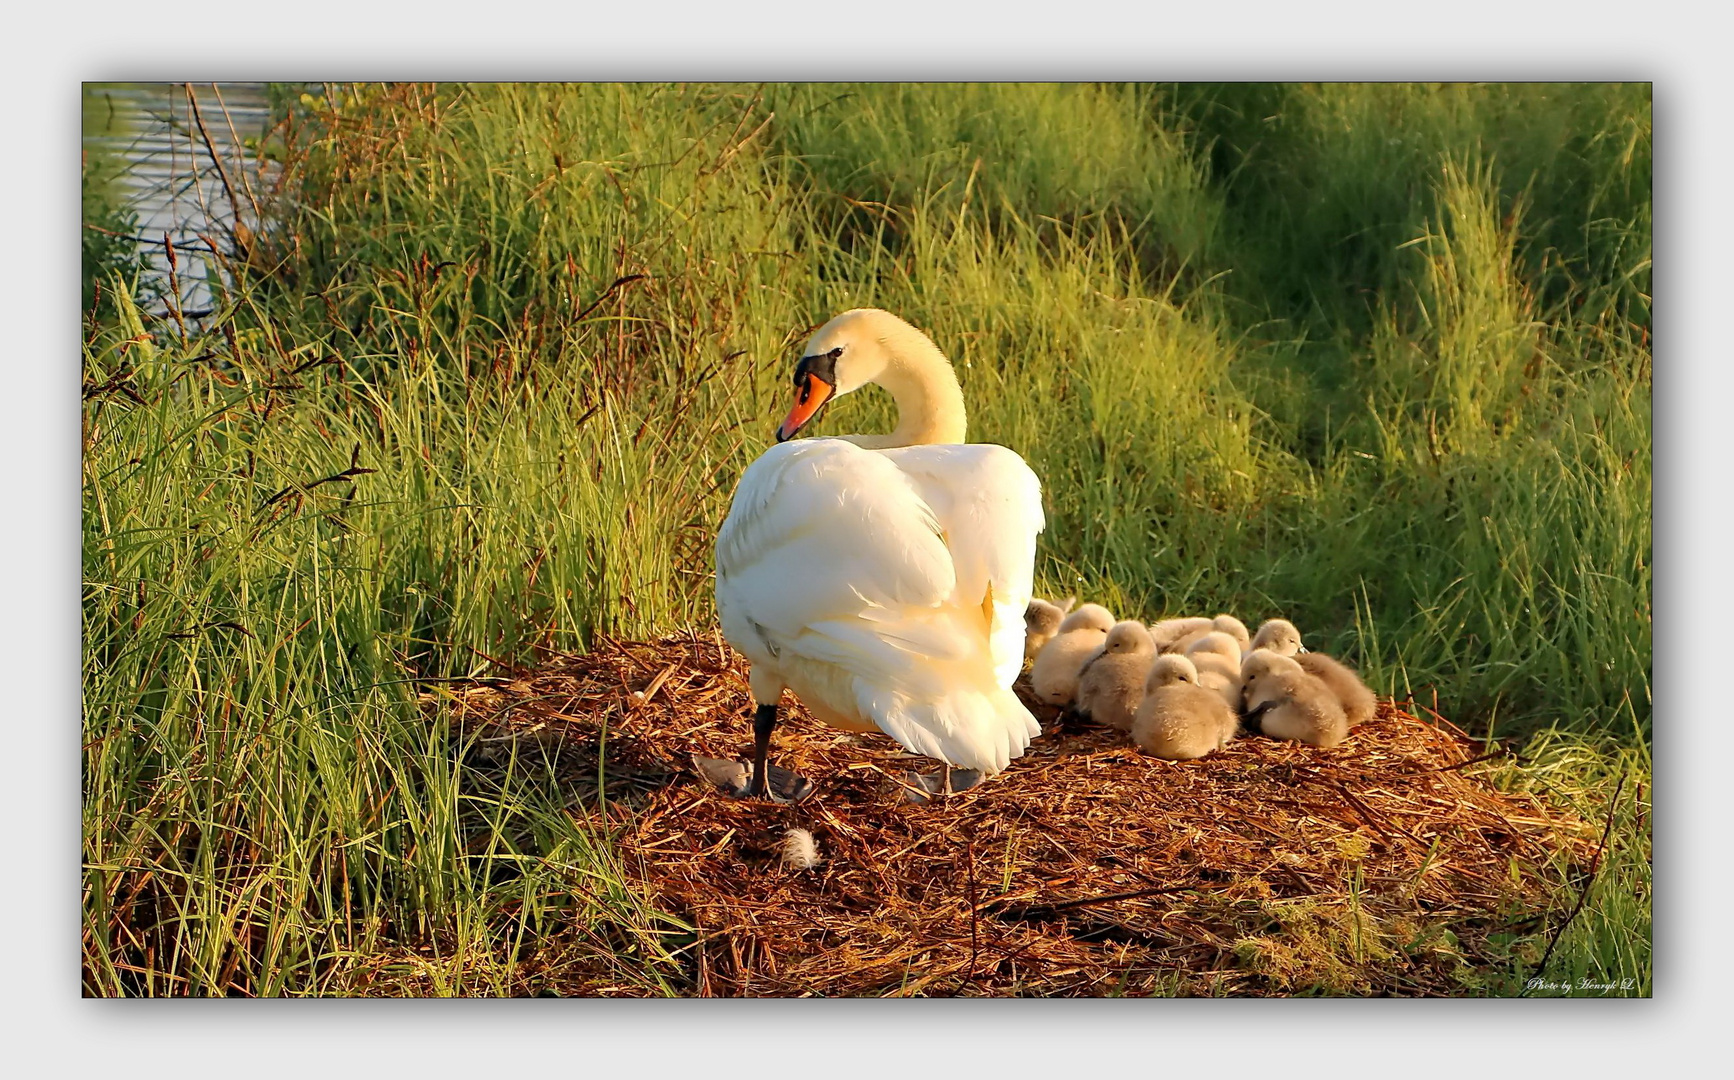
(167,175)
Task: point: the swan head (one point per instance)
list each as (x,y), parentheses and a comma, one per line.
(841,357)
(867,345)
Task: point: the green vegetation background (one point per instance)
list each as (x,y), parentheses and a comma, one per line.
(1372,357)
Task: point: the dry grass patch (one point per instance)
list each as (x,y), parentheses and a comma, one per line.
(1388,865)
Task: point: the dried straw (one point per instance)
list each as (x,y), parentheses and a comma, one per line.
(1382,866)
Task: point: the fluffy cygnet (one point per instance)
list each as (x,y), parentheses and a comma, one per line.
(1169,631)
(1112,684)
(1178,719)
(1284,702)
(1088,615)
(1216,655)
(1277,635)
(1235,629)
(1351,693)
(1055,675)
(1041,622)
(1226,624)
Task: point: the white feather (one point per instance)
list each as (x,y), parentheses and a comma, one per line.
(800,850)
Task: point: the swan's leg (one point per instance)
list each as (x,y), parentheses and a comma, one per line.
(768,781)
(962,779)
(948,781)
(764,722)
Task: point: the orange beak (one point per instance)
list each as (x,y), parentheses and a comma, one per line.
(811,393)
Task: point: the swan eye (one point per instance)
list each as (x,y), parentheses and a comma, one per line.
(835,353)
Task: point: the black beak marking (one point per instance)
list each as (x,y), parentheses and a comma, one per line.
(824,365)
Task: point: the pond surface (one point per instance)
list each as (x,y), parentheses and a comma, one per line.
(179,156)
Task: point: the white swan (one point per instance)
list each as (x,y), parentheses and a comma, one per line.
(883,578)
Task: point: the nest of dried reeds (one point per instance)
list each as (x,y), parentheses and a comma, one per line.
(1383,866)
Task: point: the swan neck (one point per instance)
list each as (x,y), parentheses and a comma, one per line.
(929,399)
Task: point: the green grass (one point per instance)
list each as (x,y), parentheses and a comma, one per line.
(1372,357)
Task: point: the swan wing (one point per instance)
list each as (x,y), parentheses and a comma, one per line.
(831,555)
(821,530)
(989,507)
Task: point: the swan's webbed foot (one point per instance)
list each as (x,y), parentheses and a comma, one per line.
(728,776)
(781,785)
(760,779)
(734,779)
(948,781)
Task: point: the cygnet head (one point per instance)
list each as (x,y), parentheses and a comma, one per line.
(1262,662)
(1128,636)
(1166,632)
(1235,629)
(1216,642)
(1265,678)
(1043,618)
(1169,670)
(1278,636)
(1092,616)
